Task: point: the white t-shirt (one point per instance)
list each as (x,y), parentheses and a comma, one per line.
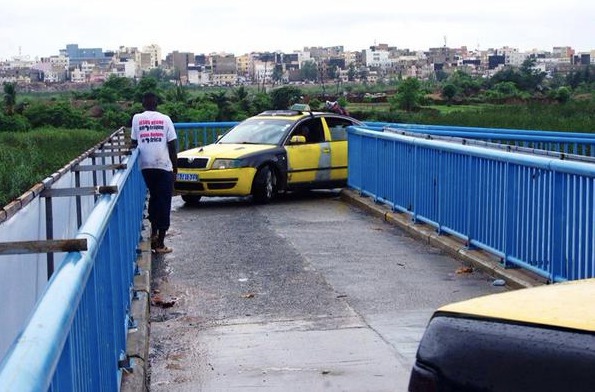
(152,131)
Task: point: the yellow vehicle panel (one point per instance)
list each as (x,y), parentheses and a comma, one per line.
(226,182)
(339,159)
(567,305)
(304,162)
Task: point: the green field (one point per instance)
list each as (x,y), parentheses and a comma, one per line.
(27,158)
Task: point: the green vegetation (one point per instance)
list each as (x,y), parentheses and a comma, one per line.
(41,132)
(28,158)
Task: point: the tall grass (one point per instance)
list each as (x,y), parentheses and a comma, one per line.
(575,117)
(27,158)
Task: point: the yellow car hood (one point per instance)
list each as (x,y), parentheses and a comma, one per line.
(230,151)
(567,305)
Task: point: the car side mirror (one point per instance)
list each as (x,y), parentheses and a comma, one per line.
(297,139)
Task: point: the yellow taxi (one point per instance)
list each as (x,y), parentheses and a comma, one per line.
(275,151)
(536,339)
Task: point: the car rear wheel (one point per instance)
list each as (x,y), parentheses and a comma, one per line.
(191,199)
(264,186)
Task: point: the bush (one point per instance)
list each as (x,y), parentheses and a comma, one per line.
(58,115)
(14,123)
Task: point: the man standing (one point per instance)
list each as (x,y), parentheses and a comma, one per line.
(155,136)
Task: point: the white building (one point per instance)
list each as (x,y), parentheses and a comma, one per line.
(198,75)
(125,69)
(377,58)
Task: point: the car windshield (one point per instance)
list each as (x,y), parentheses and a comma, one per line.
(257,131)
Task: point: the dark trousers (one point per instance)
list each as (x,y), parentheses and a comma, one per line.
(161,187)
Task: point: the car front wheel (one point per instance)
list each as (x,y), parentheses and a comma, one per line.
(264,186)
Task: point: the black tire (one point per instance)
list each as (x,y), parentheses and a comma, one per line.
(191,199)
(264,186)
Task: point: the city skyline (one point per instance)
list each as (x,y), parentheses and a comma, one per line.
(181,50)
(41,29)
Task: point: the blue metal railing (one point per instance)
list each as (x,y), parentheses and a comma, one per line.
(200,133)
(577,143)
(77,332)
(534,212)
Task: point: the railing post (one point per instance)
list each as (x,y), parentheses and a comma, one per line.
(558,214)
(49,234)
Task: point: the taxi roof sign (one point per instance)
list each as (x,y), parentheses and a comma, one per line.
(301,107)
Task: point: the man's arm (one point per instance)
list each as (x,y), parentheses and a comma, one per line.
(172,149)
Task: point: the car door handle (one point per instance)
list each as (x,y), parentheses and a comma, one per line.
(326,150)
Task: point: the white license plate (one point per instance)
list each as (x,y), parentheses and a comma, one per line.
(187,177)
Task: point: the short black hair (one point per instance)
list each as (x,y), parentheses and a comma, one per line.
(150,101)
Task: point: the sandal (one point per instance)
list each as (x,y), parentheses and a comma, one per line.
(163,249)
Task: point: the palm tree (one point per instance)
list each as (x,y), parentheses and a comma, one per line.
(10,97)
(241,97)
(220,99)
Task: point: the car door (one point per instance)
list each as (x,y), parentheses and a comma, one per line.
(309,159)
(337,129)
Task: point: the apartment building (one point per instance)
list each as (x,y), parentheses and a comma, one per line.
(178,62)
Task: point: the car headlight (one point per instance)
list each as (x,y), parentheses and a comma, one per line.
(226,164)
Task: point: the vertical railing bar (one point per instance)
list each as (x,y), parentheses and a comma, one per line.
(79,212)
(49,233)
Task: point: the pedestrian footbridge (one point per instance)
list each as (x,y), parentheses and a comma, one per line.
(69,247)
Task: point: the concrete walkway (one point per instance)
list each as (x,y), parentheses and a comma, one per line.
(368,343)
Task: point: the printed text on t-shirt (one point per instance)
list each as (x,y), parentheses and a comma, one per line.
(149,130)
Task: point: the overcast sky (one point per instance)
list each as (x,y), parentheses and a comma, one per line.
(41,28)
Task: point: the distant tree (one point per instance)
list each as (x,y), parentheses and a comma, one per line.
(449,91)
(123,87)
(106,94)
(332,73)
(466,84)
(584,77)
(408,96)
(114,117)
(309,71)
(261,102)
(159,74)
(241,98)
(10,97)
(220,98)
(177,94)
(351,72)
(202,109)
(507,89)
(563,94)
(525,78)
(284,97)
(277,75)
(145,84)
(532,78)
